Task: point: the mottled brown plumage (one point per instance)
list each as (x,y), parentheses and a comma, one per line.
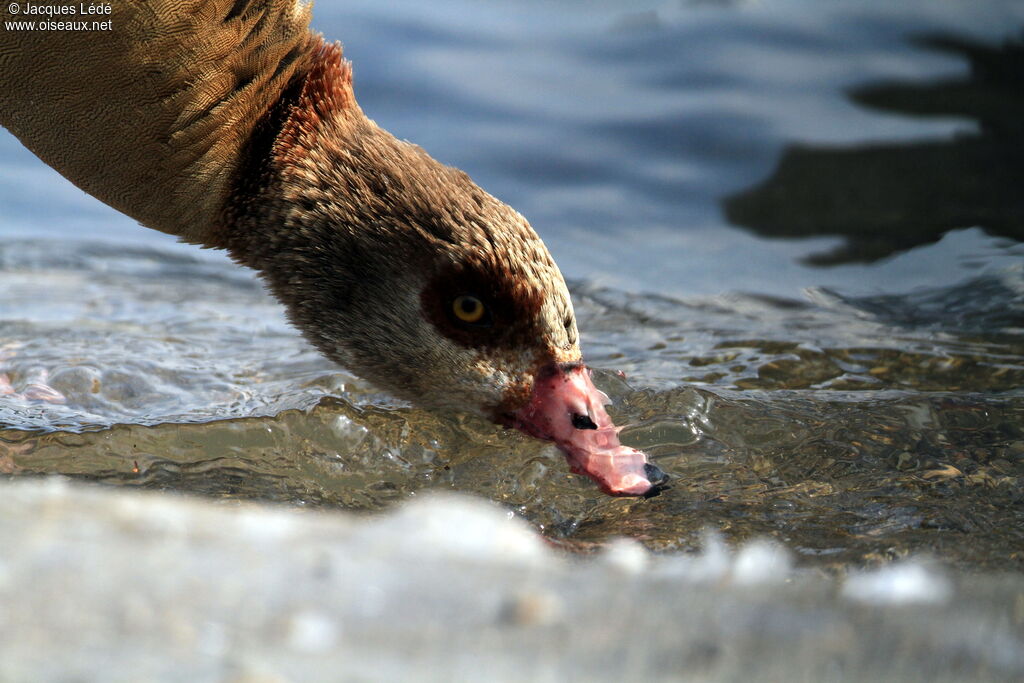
(231,125)
(367,240)
(151,116)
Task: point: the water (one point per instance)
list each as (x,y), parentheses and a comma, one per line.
(794,227)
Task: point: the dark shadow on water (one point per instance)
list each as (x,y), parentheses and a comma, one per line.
(889,197)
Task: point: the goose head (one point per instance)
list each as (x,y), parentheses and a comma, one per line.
(403,270)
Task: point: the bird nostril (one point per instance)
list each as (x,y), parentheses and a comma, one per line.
(583,422)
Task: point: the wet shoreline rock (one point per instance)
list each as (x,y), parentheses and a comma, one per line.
(104,583)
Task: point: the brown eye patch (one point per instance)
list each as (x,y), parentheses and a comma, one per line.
(511,306)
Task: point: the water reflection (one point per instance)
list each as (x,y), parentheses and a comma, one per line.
(885,198)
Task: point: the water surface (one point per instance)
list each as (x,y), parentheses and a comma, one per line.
(793,227)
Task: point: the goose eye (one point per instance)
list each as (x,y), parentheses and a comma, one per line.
(469,309)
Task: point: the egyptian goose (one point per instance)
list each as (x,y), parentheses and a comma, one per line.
(232,125)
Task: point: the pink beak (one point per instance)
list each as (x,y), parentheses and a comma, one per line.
(568,409)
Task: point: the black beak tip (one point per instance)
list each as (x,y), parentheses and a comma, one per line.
(658,479)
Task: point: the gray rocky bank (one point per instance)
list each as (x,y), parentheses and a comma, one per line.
(120,585)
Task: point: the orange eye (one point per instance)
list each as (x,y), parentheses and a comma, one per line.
(468,309)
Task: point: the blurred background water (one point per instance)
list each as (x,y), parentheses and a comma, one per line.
(794,225)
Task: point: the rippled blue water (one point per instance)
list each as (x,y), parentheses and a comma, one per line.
(609,123)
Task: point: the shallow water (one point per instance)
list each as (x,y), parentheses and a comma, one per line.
(858,411)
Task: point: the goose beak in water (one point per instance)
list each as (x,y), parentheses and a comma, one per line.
(230,124)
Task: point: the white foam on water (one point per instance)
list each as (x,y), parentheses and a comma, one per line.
(457,526)
(898,584)
(761,561)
